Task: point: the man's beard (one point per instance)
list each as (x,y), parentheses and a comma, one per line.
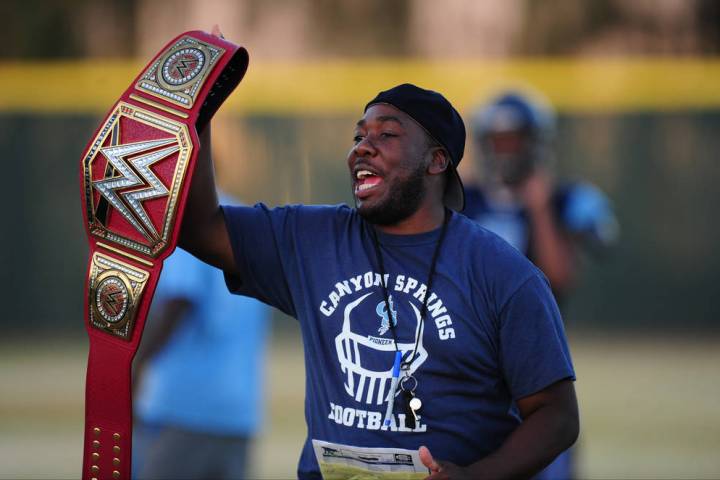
(404,200)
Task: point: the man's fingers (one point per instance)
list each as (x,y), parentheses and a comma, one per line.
(427,459)
(216,31)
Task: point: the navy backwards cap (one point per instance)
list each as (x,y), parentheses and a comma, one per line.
(439,118)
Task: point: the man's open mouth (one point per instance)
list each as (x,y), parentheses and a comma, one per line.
(366,180)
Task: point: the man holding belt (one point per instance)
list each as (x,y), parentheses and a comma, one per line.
(402,287)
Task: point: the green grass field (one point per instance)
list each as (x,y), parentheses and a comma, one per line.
(650,408)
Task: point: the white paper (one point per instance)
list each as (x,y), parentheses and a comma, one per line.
(346,461)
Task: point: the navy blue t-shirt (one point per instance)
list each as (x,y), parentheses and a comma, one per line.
(492,334)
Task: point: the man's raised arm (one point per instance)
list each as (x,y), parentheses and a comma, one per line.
(203,232)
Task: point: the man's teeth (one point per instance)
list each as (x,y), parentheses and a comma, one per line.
(365,182)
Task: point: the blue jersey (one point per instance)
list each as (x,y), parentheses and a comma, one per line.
(492,333)
(207,378)
(580,209)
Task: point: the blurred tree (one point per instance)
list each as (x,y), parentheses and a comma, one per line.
(40,29)
(557,27)
(708,18)
(666,27)
(49,29)
(354,28)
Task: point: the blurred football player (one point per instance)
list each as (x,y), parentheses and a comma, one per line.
(519,199)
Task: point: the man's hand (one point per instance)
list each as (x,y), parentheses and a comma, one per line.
(550,426)
(440,470)
(536,191)
(216,31)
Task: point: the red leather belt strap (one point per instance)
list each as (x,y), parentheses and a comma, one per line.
(135,176)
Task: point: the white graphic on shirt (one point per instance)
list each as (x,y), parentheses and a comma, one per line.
(366,385)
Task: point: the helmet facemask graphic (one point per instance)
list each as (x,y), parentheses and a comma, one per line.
(367,360)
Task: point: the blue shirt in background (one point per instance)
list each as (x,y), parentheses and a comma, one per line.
(207,378)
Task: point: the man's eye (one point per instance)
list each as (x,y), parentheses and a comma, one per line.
(357,139)
(388,134)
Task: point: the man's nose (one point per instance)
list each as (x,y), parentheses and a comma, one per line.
(364,147)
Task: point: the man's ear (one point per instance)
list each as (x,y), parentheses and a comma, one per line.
(439,162)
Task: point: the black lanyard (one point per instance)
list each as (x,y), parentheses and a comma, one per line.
(431,274)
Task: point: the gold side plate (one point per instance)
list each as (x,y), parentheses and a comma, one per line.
(115,290)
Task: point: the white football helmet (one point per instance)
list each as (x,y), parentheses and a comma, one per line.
(367,360)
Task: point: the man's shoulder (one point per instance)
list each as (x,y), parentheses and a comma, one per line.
(491,262)
(292,210)
(340,210)
(464,225)
(309,216)
(293,220)
(486,244)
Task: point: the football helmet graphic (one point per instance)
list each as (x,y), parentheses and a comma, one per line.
(367,360)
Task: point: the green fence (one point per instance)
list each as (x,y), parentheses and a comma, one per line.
(660,170)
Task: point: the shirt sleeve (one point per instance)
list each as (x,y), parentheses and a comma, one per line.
(533,348)
(256,244)
(585,210)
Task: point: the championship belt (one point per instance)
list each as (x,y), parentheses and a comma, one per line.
(135,177)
